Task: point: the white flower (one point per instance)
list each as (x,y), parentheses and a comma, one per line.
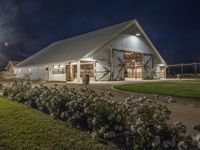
(85,104)
(196,127)
(139,121)
(155,116)
(182,146)
(95,99)
(105,135)
(106,126)
(144,97)
(118,128)
(151,107)
(93,134)
(179,126)
(132,128)
(132,97)
(89,121)
(111,116)
(159,127)
(52,115)
(94,121)
(142,105)
(173,142)
(139,130)
(110,134)
(102,130)
(126,133)
(166,144)
(198,145)
(62,115)
(110,94)
(127,99)
(155,96)
(86,110)
(118,118)
(197,138)
(156,141)
(113,101)
(66,114)
(149,133)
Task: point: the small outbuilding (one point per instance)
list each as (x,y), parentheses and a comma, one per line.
(8,72)
(113,53)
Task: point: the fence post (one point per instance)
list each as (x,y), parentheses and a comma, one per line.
(168,72)
(195,68)
(182,70)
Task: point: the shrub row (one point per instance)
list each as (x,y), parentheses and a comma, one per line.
(135,123)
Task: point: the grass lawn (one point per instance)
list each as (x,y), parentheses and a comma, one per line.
(22,127)
(183,88)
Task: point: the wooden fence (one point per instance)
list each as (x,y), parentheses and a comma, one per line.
(189,70)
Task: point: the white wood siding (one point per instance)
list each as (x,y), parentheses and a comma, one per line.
(35,73)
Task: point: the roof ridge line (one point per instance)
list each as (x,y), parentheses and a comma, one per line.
(132,22)
(150,42)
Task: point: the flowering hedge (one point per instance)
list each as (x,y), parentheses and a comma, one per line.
(135,123)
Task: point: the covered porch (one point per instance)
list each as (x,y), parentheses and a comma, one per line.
(72,71)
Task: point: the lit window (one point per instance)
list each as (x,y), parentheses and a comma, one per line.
(58,69)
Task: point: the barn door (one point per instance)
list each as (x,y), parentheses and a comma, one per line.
(148,67)
(156,72)
(69,73)
(102,71)
(118,64)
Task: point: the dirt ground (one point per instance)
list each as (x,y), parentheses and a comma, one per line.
(186,110)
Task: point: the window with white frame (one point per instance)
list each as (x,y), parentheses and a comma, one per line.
(58,69)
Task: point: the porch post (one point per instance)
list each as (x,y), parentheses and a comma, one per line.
(78,71)
(165,72)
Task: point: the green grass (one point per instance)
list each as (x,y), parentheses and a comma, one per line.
(22,127)
(190,89)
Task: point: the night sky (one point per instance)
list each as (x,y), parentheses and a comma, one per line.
(27,26)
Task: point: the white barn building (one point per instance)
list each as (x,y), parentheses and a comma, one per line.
(112,53)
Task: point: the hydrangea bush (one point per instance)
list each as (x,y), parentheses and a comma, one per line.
(136,123)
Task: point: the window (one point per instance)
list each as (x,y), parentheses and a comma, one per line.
(58,69)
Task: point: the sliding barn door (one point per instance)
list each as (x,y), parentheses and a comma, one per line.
(102,71)
(148,67)
(118,63)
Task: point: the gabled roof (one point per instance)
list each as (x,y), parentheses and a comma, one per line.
(14,62)
(152,45)
(77,47)
(11,63)
(73,48)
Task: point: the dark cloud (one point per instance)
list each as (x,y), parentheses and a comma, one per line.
(27,26)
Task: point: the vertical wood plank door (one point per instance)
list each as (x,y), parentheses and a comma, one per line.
(69,73)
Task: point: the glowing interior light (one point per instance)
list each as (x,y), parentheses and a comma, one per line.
(55,66)
(62,66)
(74,63)
(137,34)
